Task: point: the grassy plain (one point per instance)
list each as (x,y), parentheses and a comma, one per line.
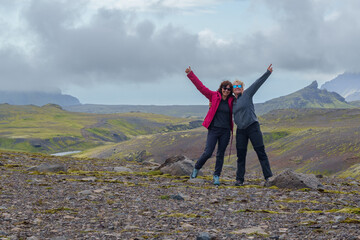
(50,128)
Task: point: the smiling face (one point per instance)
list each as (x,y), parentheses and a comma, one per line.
(226,90)
(238,87)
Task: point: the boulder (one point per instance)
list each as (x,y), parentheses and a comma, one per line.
(204,236)
(47,167)
(293,180)
(177,166)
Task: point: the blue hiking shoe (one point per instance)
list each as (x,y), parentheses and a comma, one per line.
(216,180)
(194,173)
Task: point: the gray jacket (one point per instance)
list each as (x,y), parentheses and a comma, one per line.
(244,111)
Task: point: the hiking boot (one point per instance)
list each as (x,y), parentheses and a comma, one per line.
(266,183)
(194,173)
(239,183)
(216,180)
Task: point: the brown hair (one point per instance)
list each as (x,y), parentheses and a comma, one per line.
(225,84)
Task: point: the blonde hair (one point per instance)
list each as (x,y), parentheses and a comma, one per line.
(238,82)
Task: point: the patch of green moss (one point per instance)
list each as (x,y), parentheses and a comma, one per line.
(273,136)
(12,165)
(165,197)
(56,210)
(256,211)
(349,210)
(297,201)
(351,220)
(180,181)
(309,211)
(150,173)
(333,191)
(167,186)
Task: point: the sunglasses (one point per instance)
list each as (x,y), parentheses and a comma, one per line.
(225,88)
(237,86)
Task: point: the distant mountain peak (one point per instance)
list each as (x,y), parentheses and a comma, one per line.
(308,97)
(314,84)
(346,84)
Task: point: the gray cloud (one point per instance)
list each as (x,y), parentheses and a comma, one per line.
(305,41)
(111,47)
(118,46)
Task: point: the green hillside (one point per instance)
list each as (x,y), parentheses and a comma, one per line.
(308,97)
(324,141)
(51,129)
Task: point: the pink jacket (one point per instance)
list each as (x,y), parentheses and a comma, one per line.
(214,97)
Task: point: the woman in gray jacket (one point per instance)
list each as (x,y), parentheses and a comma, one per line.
(248,127)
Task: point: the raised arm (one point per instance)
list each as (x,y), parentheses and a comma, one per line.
(198,84)
(257,84)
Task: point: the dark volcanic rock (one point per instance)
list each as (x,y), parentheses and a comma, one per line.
(177,197)
(46,167)
(177,166)
(293,180)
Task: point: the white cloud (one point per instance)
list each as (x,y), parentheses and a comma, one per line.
(208,39)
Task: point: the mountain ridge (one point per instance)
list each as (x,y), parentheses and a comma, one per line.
(308,97)
(37,98)
(346,84)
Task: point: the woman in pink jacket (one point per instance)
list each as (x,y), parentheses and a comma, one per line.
(218,121)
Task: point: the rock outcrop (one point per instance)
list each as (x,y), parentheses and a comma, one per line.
(293,180)
(177,166)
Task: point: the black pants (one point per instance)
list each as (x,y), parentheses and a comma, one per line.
(215,134)
(253,133)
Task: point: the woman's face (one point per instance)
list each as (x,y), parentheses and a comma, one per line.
(226,90)
(238,88)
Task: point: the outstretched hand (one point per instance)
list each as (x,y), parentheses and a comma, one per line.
(270,68)
(188,70)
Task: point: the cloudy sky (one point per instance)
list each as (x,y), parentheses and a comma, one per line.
(136,52)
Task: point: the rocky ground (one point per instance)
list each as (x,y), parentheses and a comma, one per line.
(92,201)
